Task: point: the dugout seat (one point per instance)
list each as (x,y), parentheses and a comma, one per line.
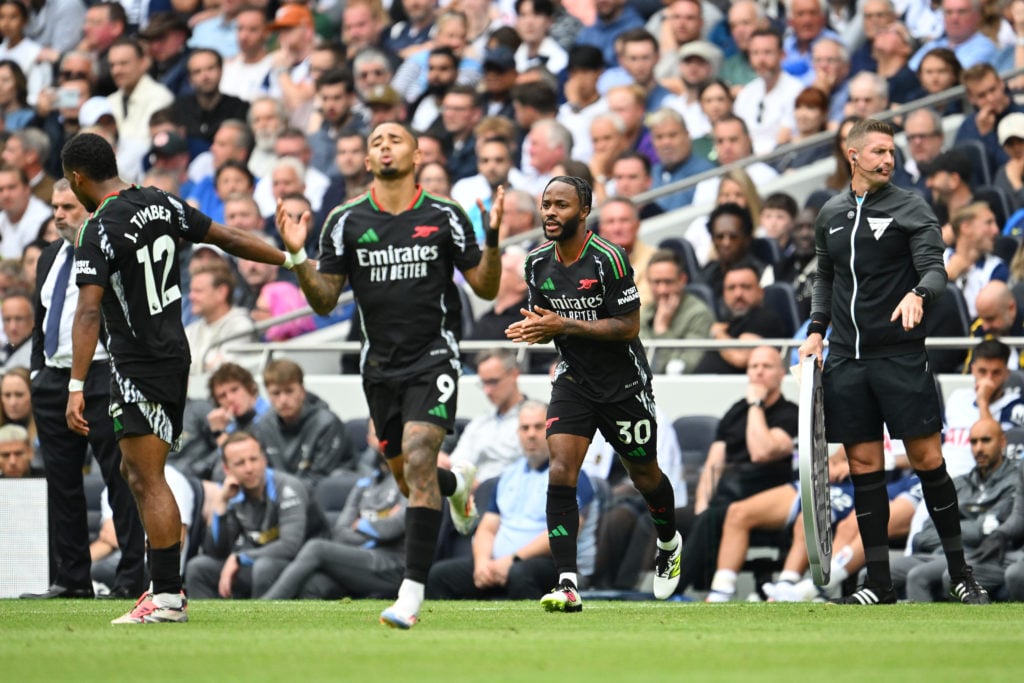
(355,432)
(1015,443)
(947,317)
(332,492)
(94,486)
(695,434)
(780,297)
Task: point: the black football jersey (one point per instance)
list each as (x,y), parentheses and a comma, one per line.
(400,267)
(598,285)
(129,246)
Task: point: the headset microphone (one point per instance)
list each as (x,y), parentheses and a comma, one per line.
(879,169)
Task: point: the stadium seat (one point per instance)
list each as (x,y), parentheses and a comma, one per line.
(684,249)
(981,174)
(332,492)
(1000,203)
(695,434)
(196,532)
(1005,247)
(94,486)
(1018,295)
(704,293)
(1015,443)
(355,432)
(947,317)
(780,297)
(766,250)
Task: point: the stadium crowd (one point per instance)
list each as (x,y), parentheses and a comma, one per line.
(237,107)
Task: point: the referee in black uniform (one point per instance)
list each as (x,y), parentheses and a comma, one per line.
(64,452)
(880,263)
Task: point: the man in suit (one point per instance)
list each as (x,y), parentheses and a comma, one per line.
(64,452)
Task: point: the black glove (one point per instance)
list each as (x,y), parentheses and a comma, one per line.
(992,548)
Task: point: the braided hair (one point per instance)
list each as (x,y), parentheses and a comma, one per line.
(583,190)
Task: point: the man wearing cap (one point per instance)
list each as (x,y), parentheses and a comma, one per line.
(218,32)
(614,17)
(164,37)
(290,79)
(206,107)
(1010,176)
(766,103)
(385,105)
(169,153)
(991,101)
(699,62)
(948,178)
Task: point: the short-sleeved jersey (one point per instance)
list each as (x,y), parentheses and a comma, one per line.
(400,267)
(598,285)
(129,246)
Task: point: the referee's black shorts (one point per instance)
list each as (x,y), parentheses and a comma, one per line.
(862,394)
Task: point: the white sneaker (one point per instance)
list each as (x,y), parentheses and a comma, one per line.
(666,570)
(718,596)
(397,617)
(461,504)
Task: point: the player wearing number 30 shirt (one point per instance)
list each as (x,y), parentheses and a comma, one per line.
(583,297)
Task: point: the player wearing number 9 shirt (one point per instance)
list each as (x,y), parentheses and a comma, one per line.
(126,267)
(582,296)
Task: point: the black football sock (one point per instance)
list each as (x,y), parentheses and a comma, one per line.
(165,565)
(563,526)
(940,497)
(446,481)
(421,529)
(661,503)
(871,501)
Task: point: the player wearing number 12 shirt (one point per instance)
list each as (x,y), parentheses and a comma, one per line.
(126,267)
(398,247)
(583,297)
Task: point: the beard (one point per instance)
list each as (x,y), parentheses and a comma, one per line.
(388,172)
(569,230)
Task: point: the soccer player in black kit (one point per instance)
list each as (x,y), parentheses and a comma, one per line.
(582,296)
(126,266)
(398,246)
(879,263)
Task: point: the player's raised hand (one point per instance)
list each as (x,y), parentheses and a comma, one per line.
(293,232)
(497,211)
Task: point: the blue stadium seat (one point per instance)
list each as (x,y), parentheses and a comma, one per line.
(684,249)
(332,492)
(981,174)
(94,486)
(1001,205)
(704,293)
(355,432)
(695,434)
(780,297)
(765,250)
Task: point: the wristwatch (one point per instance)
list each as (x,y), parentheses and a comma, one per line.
(755,404)
(921,292)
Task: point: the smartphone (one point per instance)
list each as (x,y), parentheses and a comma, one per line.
(67,98)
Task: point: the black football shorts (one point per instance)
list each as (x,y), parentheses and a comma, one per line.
(429,396)
(630,425)
(862,394)
(148,405)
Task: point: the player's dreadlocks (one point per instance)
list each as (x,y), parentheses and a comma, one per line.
(583,191)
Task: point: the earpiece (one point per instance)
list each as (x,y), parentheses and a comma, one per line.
(855,156)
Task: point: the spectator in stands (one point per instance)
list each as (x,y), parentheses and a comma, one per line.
(292,143)
(407,37)
(434,178)
(491,324)
(532,102)
(746,318)
(534,19)
(522,213)
(216,30)
(940,70)
(732,231)
(923,128)
(450,31)
(490,441)
(831,60)
(970,263)
(232,141)
(247,73)
(699,62)
(349,160)
(998,316)
(869,95)
(105,23)
(673,313)
(164,38)
(14,96)
(628,102)
(549,144)
(499,78)
(614,17)
(892,49)
(290,79)
(511,555)
(732,143)
(807,23)
(16,455)
(362,25)
(210,292)
(631,175)
(442,69)
(18,319)
(734,187)
(766,103)
(241,211)
(991,101)
(990,490)
(57,26)
(203,111)
(301,435)
(745,17)
(336,96)
(962,21)
(839,180)
(365,555)
(619,223)
(137,95)
(460,112)
(810,116)
(1010,175)
(261,520)
(682,22)
(752,452)
(608,141)
(639,57)
(798,265)
(267,119)
(16,402)
(676,161)
(582,100)
(993,396)
(30,256)
(21,213)
(57,116)
(878,14)
(28,149)
(277,299)
(495,169)
(716,101)
(948,178)
(778,211)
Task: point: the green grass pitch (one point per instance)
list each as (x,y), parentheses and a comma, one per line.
(514,641)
